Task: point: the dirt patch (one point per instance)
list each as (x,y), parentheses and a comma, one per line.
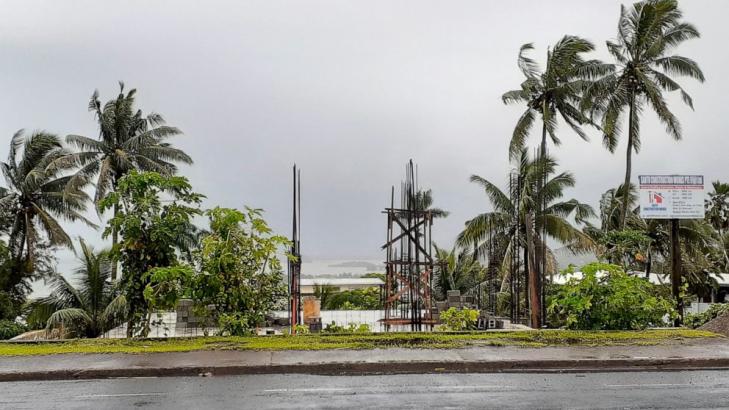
(719,324)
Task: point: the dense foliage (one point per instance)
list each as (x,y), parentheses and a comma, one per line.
(694,320)
(10,328)
(150,230)
(355,299)
(86,309)
(240,274)
(606,298)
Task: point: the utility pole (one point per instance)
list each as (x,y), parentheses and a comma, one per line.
(676,271)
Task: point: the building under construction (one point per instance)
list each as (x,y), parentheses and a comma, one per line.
(409,262)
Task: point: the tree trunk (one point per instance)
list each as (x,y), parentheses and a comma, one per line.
(648,263)
(534,299)
(628,163)
(114,233)
(676,271)
(114,240)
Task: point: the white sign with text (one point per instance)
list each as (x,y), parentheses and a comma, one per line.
(671,196)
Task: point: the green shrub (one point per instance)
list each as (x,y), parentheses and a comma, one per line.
(235,324)
(612,300)
(457,320)
(694,320)
(356,299)
(8,306)
(351,328)
(9,329)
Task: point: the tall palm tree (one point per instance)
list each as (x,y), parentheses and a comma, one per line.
(88,309)
(456,269)
(554,92)
(648,33)
(39,192)
(519,211)
(128,140)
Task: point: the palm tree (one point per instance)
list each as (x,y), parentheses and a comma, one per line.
(128,140)
(646,243)
(456,269)
(88,309)
(556,91)
(423,201)
(648,33)
(717,215)
(717,207)
(39,192)
(517,216)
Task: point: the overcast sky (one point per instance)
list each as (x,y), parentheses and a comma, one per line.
(349,90)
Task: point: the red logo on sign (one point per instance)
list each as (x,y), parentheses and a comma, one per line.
(655,197)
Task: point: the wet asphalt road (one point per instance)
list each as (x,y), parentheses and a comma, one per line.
(688,389)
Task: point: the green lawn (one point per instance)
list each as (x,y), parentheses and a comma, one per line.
(361,341)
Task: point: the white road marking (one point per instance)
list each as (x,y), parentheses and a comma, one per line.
(651,385)
(430,388)
(319,389)
(92,396)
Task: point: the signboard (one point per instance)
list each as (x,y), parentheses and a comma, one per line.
(671,196)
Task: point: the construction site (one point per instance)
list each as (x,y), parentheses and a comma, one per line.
(411,267)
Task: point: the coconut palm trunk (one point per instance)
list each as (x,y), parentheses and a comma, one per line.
(628,161)
(114,241)
(534,298)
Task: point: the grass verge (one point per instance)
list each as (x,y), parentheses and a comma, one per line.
(361,341)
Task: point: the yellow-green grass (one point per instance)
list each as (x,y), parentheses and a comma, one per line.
(434,340)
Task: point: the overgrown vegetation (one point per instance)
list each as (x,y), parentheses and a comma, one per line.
(355,299)
(9,329)
(694,320)
(436,340)
(606,298)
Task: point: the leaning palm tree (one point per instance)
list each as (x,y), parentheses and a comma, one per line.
(88,309)
(39,192)
(648,32)
(554,92)
(519,214)
(128,140)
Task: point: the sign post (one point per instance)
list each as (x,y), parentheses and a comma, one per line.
(673,197)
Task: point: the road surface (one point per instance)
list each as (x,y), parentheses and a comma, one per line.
(688,389)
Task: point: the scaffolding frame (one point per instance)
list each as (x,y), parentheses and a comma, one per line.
(409,262)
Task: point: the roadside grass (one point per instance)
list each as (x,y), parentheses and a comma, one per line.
(435,340)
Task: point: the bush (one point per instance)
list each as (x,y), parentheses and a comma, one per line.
(612,300)
(236,324)
(694,320)
(8,306)
(457,320)
(356,299)
(351,328)
(9,329)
